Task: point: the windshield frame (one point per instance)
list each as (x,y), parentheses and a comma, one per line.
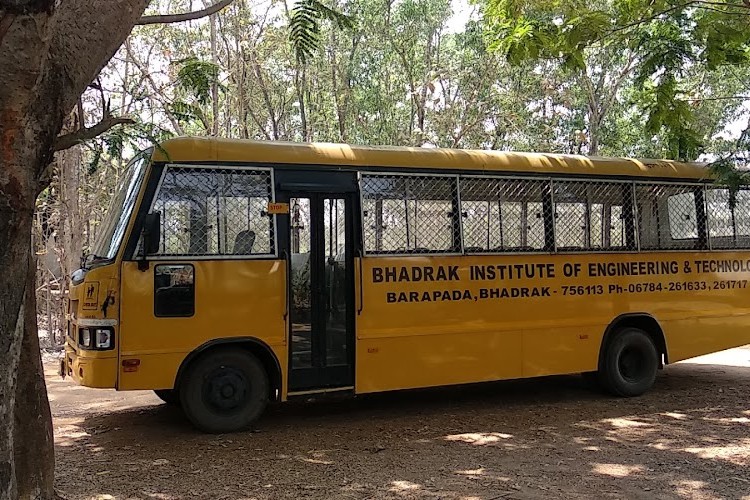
(113,227)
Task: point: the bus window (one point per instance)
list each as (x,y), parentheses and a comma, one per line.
(742,218)
(614,225)
(514,233)
(728,224)
(502,215)
(671,216)
(175,218)
(683,220)
(590,215)
(215,212)
(720,218)
(174,291)
(409,214)
(481,214)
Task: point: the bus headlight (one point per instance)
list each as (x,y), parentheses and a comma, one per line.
(84,338)
(99,339)
(103,338)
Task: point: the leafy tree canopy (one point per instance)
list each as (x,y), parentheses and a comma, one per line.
(671,41)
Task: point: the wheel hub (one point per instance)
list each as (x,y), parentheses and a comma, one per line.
(631,364)
(225,389)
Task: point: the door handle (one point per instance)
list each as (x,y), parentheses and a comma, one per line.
(361,304)
(288,284)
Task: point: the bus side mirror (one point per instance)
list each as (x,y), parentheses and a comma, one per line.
(151,233)
(151,238)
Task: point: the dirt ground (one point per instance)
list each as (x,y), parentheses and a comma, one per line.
(530,439)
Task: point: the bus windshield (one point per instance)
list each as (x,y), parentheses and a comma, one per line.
(113,226)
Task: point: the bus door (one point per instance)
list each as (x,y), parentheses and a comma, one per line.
(317,241)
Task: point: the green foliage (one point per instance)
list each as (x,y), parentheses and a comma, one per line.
(198,78)
(725,167)
(304,26)
(187,112)
(118,143)
(670,39)
(404,75)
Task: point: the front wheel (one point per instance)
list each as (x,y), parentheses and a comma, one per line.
(224,391)
(630,363)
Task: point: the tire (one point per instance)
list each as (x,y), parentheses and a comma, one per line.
(224,391)
(630,362)
(169,396)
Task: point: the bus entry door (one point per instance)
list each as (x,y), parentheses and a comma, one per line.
(318,247)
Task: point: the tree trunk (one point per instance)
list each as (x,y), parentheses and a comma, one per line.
(49,52)
(70,230)
(16,205)
(594,126)
(215,83)
(33,420)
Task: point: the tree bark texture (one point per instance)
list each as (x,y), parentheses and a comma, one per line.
(49,52)
(33,420)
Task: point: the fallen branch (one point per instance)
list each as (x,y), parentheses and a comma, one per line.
(186,16)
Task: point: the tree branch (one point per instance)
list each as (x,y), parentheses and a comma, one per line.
(185,16)
(645,20)
(720,98)
(84,134)
(723,4)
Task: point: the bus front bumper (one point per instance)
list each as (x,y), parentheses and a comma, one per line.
(98,372)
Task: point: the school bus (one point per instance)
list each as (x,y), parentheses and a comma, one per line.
(231,273)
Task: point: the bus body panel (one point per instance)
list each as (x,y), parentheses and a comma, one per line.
(435,320)
(233,298)
(697,336)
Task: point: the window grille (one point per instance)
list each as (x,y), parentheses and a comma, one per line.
(671,216)
(415,214)
(728,220)
(593,215)
(502,215)
(410,214)
(215,211)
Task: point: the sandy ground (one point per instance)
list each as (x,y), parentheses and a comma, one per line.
(530,439)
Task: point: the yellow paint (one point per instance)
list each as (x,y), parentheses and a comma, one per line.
(91,369)
(186,149)
(415,344)
(403,345)
(233,298)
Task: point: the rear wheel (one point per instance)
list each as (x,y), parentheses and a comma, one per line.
(224,391)
(629,364)
(169,396)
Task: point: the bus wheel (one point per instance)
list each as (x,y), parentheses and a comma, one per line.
(630,363)
(224,391)
(169,396)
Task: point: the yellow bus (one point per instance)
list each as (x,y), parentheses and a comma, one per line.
(230,273)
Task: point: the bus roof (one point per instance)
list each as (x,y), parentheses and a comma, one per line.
(204,149)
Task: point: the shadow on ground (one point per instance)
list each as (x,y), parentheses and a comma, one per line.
(540,438)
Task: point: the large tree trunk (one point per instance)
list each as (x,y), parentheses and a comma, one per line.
(49,52)
(33,420)
(16,205)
